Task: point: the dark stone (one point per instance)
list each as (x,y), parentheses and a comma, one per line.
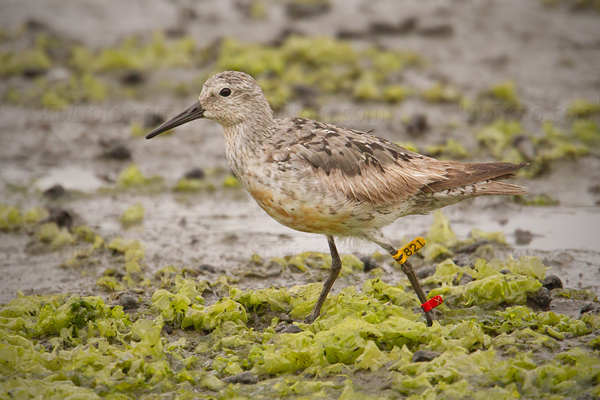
(540,298)
(129,301)
(133,78)
(245,378)
(587,308)
(207,268)
(439,29)
(284,327)
(55,192)
(167,329)
(292,329)
(466,278)
(462,260)
(423,273)
(60,217)
(470,248)
(424,355)
(297,10)
(32,72)
(152,119)
(369,264)
(34,25)
(384,28)
(175,32)
(349,33)
(417,125)
(117,151)
(505,271)
(553,282)
(285,318)
(194,173)
(594,189)
(47,345)
(523,237)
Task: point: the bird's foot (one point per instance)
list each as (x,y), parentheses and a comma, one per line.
(311,318)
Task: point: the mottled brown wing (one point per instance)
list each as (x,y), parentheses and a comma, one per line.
(357,165)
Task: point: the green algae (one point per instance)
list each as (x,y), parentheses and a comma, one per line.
(498,136)
(13,219)
(13,63)
(55,236)
(583,109)
(324,64)
(452,149)
(132,177)
(105,352)
(135,55)
(230,181)
(506,92)
(194,185)
(542,200)
(395,93)
(133,215)
(441,93)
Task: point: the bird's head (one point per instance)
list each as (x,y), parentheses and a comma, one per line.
(229,98)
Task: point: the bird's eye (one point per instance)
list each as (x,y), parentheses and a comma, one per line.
(225,92)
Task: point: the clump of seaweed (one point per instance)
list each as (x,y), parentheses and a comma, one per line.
(192,338)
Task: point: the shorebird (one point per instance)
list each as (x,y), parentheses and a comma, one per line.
(320,178)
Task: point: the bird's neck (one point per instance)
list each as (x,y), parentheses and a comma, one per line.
(252,131)
(244,142)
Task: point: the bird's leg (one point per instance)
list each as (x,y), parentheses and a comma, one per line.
(408,270)
(336,267)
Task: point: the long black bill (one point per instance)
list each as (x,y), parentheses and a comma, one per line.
(194,112)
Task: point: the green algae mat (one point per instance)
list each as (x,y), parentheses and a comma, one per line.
(170,335)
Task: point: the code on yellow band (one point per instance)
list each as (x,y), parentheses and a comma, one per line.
(411,248)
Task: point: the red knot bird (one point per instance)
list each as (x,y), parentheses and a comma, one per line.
(320,178)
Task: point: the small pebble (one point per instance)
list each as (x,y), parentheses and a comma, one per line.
(466,278)
(207,268)
(132,78)
(552,282)
(292,329)
(423,273)
(194,173)
(541,298)
(117,151)
(385,28)
(168,329)
(587,308)
(417,125)
(523,237)
(152,119)
(470,248)
(60,217)
(297,10)
(436,29)
(128,301)
(245,378)
(55,192)
(369,264)
(424,355)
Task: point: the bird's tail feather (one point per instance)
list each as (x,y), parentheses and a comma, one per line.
(495,187)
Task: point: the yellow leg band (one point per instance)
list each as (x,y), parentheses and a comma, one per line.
(411,248)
